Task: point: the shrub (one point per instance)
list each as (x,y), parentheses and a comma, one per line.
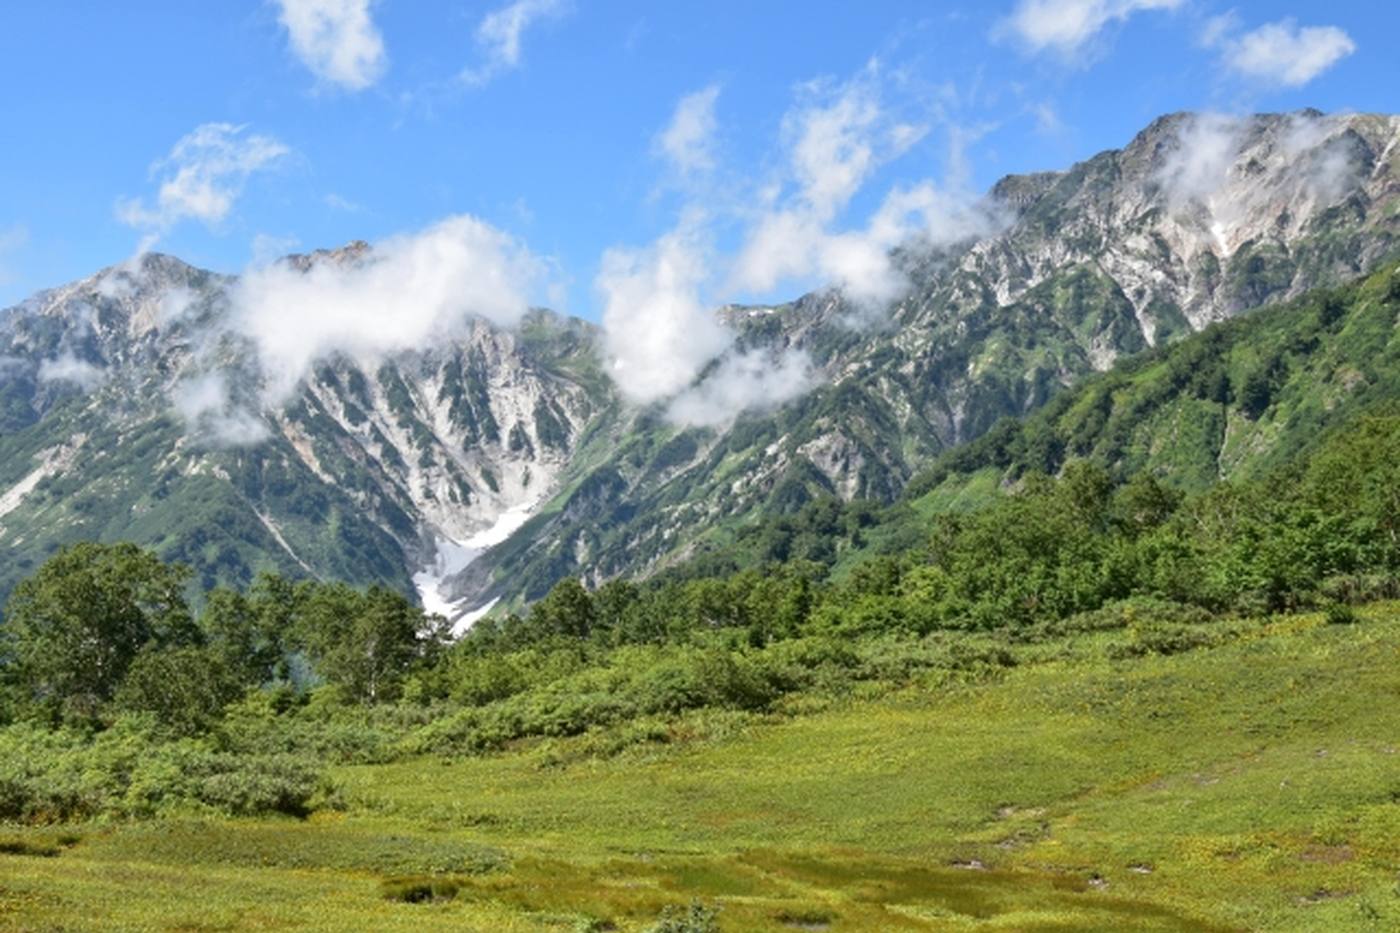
(185,688)
(128,771)
(697,918)
(420,889)
(270,784)
(1341,614)
(1162,638)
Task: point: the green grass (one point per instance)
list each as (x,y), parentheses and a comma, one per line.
(1251,785)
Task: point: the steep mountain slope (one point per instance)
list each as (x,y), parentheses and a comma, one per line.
(1245,400)
(1197,220)
(107,434)
(1231,403)
(131,405)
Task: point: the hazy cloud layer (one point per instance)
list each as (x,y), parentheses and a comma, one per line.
(203,176)
(68,368)
(1066,27)
(688,142)
(753,381)
(206,405)
(1207,145)
(336,40)
(835,141)
(12,239)
(408,292)
(500,34)
(1281,54)
(1310,158)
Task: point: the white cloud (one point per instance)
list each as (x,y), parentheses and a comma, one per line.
(1315,147)
(1280,54)
(658,332)
(752,381)
(1067,26)
(68,368)
(12,366)
(1203,173)
(1219,28)
(499,36)
(408,292)
(1047,119)
(834,143)
(203,176)
(341,203)
(205,404)
(174,304)
(336,39)
(688,142)
(1205,147)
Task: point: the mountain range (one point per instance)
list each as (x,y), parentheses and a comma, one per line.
(486,467)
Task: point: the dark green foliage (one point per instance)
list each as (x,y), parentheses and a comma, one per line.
(364,642)
(1257,391)
(551,427)
(566,610)
(246,786)
(1341,614)
(33,848)
(247,632)
(184,688)
(132,770)
(74,628)
(420,890)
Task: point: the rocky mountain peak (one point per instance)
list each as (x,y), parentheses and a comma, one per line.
(352,253)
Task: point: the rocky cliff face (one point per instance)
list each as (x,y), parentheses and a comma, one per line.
(129,407)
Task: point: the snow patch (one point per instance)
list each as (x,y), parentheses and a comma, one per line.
(453,556)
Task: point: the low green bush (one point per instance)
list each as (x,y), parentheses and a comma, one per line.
(131,770)
(695,918)
(420,890)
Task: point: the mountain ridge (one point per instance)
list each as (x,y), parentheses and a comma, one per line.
(381,470)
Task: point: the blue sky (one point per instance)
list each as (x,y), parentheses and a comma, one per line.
(331,120)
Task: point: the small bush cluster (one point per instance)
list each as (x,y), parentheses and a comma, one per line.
(420,889)
(129,770)
(695,918)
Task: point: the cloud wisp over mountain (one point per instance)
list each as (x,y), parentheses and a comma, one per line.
(792,231)
(408,292)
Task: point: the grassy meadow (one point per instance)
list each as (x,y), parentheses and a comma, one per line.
(1250,784)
